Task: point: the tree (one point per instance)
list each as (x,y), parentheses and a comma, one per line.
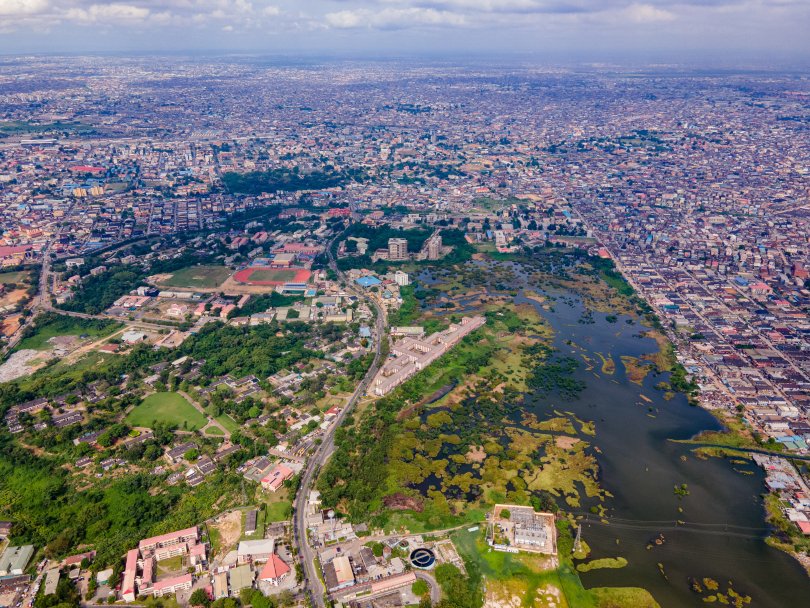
(200,598)
(420,588)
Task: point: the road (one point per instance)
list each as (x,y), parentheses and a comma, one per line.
(313,585)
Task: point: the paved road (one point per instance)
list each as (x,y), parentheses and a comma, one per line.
(435,590)
(313,585)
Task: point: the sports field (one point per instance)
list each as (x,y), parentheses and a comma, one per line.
(257,275)
(18,277)
(170,408)
(198,276)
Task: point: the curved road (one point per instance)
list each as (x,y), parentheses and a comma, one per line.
(313,584)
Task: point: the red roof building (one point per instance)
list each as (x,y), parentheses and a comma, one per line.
(275,570)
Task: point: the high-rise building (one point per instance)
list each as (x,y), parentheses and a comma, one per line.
(434,247)
(401,278)
(397,249)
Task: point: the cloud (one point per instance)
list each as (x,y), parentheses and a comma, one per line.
(646,13)
(108,13)
(393,18)
(22,8)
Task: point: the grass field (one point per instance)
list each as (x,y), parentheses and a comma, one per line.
(273,274)
(67,326)
(199,276)
(522,575)
(14,277)
(278,506)
(229,423)
(166,407)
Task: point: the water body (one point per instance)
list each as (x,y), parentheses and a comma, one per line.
(723,538)
(639,465)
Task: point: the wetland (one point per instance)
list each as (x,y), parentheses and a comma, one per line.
(568,399)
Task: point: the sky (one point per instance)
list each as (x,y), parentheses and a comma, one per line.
(639,29)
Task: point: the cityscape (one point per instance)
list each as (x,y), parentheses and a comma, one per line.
(387,332)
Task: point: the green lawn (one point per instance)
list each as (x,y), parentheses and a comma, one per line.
(199,276)
(214,430)
(66,326)
(229,423)
(273,274)
(278,506)
(166,407)
(19,277)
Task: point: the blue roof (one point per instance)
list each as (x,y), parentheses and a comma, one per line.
(368,281)
(365,332)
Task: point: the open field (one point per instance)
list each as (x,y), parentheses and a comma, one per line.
(257,275)
(534,580)
(229,423)
(170,408)
(198,276)
(18,277)
(277,506)
(66,326)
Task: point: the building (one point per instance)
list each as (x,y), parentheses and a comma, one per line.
(517,528)
(338,574)
(276,478)
(401,278)
(410,355)
(250,522)
(5,529)
(274,571)
(397,249)
(241,578)
(15,559)
(171,539)
(434,247)
(128,590)
(255,550)
(220,585)
(52,577)
(172,585)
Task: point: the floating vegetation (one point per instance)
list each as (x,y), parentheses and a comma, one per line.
(603,563)
(710,590)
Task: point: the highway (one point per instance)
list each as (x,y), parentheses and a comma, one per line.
(313,585)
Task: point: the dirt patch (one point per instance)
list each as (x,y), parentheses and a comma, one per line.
(229,527)
(549,595)
(21,363)
(476,454)
(11,324)
(13,297)
(566,442)
(400,502)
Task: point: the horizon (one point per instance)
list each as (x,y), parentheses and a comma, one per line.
(573,30)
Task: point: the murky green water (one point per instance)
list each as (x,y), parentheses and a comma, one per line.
(724,530)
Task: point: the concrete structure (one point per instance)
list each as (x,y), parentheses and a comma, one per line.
(411,355)
(255,550)
(241,578)
(52,577)
(338,574)
(15,559)
(515,527)
(397,249)
(172,585)
(220,585)
(276,478)
(128,589)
